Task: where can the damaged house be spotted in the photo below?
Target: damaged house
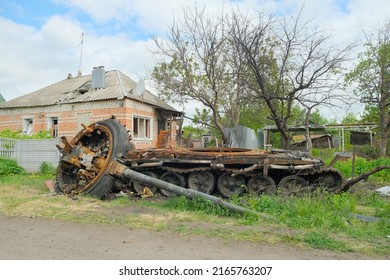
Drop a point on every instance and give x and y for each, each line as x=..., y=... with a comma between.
x=63, y=107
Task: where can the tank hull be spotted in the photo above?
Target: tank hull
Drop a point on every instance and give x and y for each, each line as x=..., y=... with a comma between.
x=84, y=167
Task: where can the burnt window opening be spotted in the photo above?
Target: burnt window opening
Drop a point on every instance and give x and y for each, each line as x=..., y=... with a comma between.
x=53, y=127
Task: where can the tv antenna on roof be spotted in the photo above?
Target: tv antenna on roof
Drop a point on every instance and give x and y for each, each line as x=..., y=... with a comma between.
x=81, y=54
x=140, y=89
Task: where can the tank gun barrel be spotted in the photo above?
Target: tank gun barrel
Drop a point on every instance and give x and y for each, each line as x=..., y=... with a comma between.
x=120, y=170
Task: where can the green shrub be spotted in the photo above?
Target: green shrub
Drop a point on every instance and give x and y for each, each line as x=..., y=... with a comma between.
x=368, y=151
x=8, y=133
x=10, y=167
x=17, y=134
x=363, y=165
x=47, y=169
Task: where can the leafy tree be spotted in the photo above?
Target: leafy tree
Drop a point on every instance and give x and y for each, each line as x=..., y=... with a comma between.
x=254, y=115
x=371, y=77
x=350, y=118
x=317, y=118
x=370, y=114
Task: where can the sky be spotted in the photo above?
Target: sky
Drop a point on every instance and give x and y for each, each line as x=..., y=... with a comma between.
x=40, y=41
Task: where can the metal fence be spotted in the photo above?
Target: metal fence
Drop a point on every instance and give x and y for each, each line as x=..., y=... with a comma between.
x=30, y=153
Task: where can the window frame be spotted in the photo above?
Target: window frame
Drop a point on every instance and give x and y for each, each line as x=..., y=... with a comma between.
x=143, y=123
x=50, y=125
x=26, y=124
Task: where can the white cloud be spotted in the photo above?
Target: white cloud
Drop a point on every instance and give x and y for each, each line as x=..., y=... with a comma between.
x=33, y=57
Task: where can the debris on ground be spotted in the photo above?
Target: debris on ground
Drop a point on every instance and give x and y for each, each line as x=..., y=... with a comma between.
x=385, y=191
x=49, y=184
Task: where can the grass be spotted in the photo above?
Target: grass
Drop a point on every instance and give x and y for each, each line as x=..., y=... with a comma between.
x=319, y=221
x=362, y=165
x=323, y=241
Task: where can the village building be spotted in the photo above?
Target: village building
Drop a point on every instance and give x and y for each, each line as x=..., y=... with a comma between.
x=62, y=108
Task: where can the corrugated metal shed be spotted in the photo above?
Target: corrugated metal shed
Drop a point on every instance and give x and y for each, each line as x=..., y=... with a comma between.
x=78, y=89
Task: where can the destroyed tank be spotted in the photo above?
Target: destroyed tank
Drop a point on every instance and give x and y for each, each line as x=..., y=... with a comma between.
x=89, y=164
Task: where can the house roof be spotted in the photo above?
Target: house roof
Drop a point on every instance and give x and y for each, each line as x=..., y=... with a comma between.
x=302, y=138
x=78, y=89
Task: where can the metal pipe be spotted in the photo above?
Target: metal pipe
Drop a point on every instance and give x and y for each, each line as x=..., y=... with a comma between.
x=294, y=167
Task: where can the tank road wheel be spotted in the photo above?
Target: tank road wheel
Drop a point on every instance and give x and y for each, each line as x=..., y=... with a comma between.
x=293, y=185
x=261, y=185
x=330, y=181
x=172, y=178
x=202, y=181
x=82, y=167
x=139, y=187
x=228, y=185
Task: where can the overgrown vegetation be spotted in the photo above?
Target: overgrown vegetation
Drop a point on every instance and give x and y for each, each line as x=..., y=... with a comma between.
x=18, y=134
x=9, y=167
x=47, y=170
x=319, y=220
x=362, y=165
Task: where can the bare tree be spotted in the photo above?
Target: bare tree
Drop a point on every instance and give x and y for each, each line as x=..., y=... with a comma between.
x=284, y=59
x=200, y=63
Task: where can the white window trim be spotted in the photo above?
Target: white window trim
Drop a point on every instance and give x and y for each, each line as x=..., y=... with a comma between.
x=25, y=129
x=150, y=138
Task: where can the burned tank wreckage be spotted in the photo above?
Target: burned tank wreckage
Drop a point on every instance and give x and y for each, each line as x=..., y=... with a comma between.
x=101, y=156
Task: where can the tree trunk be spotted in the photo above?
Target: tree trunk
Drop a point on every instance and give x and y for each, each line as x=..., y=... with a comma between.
x=307, y=127
x=285, y=137
x=383, y=122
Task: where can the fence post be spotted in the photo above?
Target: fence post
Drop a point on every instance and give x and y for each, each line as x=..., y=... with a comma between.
x=18, y=152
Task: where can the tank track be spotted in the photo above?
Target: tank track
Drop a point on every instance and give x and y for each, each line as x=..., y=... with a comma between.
x=328, y=178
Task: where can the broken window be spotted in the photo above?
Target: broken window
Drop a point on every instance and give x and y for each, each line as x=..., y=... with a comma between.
x=141, y=128
x=28, y=126
x=53, y=126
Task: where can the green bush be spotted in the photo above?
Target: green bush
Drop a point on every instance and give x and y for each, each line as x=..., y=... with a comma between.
x=363, y=165
x=17, y=134
x=8, y=133
x=10, y=167
x=47, y=169
x=368, y=151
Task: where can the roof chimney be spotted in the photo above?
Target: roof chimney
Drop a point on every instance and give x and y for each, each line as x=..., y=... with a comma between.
x=98, y=77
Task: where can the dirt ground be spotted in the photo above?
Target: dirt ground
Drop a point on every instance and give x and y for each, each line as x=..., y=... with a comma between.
x=43, y=239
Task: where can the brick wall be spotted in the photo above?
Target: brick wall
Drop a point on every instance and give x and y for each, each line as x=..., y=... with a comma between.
x=70, y=117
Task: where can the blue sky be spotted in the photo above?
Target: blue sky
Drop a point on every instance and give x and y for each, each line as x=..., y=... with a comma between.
x=40, y=40
x=36, y=13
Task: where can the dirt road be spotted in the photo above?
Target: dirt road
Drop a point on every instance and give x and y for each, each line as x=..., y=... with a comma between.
x=35, y=238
